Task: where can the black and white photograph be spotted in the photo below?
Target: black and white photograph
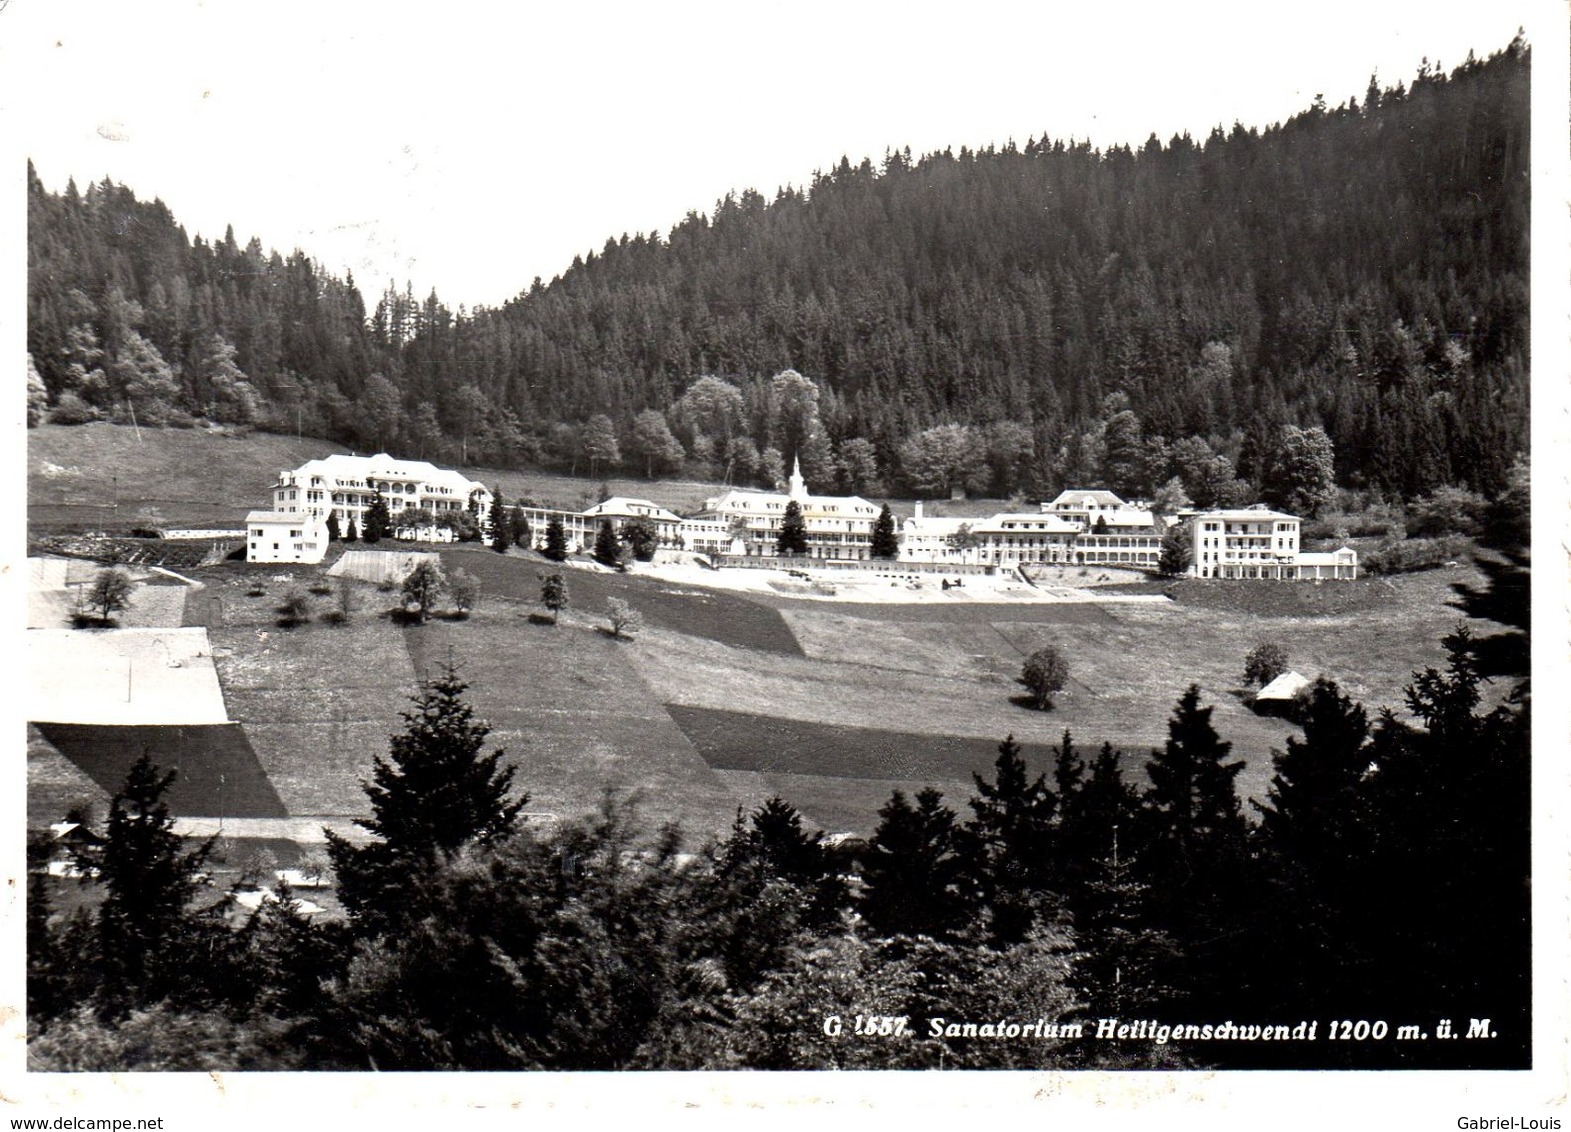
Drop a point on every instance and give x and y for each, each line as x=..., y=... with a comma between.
x=608, y=557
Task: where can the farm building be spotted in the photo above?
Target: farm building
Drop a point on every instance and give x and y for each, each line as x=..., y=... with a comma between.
x=1280, y=695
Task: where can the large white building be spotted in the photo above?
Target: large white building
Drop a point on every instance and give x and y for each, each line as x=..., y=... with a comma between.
x=1079, y=528
x=345, y=486
x=838, y=526
x=1260, y=543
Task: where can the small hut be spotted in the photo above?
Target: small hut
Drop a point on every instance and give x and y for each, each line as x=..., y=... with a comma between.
x=1281, y=696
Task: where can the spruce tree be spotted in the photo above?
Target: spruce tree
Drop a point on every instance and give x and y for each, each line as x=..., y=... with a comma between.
x=555, y=540
x=608, y=546
x=378, y=523
x=334, y=534
x=1192, y=803
x=150, y=878
x=1013, y=831
x=917, y=878
x=792, y=538
x=501, y=534
x=885, y=544
x=434, y=793
x=353, y=533
x=518, y=526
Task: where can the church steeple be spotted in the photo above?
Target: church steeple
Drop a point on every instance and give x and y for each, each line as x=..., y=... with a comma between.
x=798, y=489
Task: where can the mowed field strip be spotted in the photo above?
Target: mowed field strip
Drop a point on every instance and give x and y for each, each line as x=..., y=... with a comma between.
x=568, y=705
x=317, y=702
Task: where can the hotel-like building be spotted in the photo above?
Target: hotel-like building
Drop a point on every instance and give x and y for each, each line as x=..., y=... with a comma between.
x=345, y=486
x=838, y=526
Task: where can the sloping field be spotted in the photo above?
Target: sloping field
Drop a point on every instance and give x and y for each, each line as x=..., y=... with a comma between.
x=952, y=672
x=122, y=676
x=77, y=473
x=317, y=702
x=568, y=705
x=217, y=773
x=731, y=740
x=55, y=784
x=712, y=614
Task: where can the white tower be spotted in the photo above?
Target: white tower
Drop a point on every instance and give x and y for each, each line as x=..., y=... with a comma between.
x=798, y=490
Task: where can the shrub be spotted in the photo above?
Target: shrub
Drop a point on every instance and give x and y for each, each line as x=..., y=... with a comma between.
x=1265, y=662
x=71, y=409
x=295, y=609
x=1408, y=555
x=625, y=620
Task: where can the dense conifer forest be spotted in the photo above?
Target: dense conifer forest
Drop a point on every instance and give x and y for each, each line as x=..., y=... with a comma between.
x=1127, y=315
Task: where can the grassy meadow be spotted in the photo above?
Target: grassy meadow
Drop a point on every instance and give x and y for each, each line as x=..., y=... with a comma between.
x=723, y=698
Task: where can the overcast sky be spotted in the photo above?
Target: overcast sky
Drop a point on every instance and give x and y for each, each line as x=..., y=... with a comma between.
x=472, y=149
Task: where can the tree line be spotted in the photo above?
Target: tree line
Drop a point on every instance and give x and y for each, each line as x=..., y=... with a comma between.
x=1386, y=879
x=1008, y=319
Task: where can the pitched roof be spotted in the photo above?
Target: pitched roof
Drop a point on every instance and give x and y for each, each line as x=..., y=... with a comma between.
x=298, y=517
x=1284, y=687
x=1096, y=496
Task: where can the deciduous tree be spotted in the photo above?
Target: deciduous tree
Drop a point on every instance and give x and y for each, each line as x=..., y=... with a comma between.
x=422, y=586
x=1045, y=672
x=553, y=594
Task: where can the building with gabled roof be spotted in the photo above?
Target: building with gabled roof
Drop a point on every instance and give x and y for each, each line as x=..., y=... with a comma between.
x=285, y=536
x=838, y=526
x=346, y=484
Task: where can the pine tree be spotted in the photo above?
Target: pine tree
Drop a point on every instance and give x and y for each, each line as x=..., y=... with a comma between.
x=434, y=793
x=917, y=877
x=353, y=533
x=793, y=531
x=885, y=544
x=501, y=535
x=555, y=540
x=334, y=534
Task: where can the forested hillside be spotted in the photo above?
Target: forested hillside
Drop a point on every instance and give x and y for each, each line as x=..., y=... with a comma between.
x=1009, y=318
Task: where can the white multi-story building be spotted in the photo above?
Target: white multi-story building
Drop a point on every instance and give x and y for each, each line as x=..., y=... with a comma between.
x=838, y=526
x=1260, y=543
x=345, y=486
x=285, y=536
x=1093, y=528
